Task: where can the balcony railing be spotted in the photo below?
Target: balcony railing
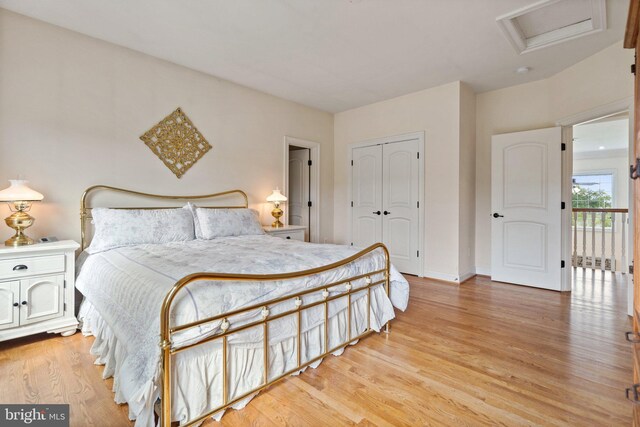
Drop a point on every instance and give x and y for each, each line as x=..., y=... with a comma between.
x=599, y=239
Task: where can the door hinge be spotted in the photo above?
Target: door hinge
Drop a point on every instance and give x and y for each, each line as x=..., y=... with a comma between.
x=562, y=264
x=309, y=203
x=64, y=308
x=418, y=254
x=563, y=147
x=64, y=284
x=633, y=170
x=418, y=204
x=562, y=205
x=418, y=154
x=309, y=162
x=351, y=162
x=351, y=204
x=633, y=69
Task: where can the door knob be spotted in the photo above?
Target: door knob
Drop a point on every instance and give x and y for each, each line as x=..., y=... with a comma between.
x=15, y=304
x=497, y=215
x=386, y=213
x=24, y=303
x=377, y=212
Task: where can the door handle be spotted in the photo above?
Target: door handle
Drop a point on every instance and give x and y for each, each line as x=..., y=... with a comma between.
x=377, y=212
x=386, y=213
x=632, y=394
x=497, y=215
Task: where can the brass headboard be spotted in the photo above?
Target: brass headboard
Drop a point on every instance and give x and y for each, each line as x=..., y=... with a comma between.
x=85, y=208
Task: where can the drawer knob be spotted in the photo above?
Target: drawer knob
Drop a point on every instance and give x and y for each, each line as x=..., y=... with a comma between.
x=24, y=303
x=20, y=267
x=288, y=237
x=15, y=304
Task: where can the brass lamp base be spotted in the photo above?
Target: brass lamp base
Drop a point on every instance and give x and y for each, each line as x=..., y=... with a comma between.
x=19, y=221
x=277, y=213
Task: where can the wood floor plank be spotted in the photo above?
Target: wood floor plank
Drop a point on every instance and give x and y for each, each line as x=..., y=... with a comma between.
x=480, y=353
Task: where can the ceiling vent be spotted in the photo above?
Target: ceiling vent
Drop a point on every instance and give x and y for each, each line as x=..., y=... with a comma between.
x=549, y=22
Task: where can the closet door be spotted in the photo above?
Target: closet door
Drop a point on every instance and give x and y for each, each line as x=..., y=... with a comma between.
x=366, y=179
x=400, y=195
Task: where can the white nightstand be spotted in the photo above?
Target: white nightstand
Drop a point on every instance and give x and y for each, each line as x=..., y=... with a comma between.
x=37, y=292
x=293, y=232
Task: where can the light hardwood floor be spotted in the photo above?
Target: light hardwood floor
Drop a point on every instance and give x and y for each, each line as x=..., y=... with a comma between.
x=482, y=353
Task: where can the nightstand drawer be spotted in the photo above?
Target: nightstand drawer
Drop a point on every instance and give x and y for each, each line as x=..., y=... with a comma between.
x=27, y=266
x=290, y=235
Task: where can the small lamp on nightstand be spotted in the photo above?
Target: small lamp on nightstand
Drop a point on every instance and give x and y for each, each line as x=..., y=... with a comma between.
x=19, y=197
x=276, y=198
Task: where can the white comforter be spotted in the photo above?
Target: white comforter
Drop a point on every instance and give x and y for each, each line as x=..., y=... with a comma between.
x=126, y=287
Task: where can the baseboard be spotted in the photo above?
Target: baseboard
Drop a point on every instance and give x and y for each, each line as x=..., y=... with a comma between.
x=467, y=276
x=441, y=276
x=483, y=271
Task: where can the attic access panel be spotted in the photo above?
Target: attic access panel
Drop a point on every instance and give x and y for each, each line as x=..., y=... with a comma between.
x=550, y=22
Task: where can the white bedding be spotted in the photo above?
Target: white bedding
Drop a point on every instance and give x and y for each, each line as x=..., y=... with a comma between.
x=124, y=289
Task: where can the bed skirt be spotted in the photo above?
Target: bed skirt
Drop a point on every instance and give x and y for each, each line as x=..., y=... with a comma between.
x=197, y=372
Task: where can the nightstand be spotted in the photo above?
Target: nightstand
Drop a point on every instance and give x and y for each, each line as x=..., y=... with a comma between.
x=292, y=232
x=37, y=292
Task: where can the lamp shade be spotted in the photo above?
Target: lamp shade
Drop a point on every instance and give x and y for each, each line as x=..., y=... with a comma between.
x=276, y=197
x=18, y=191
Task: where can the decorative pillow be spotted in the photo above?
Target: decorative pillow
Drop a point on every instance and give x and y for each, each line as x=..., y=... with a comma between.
x=125, y=227
x=214, y=223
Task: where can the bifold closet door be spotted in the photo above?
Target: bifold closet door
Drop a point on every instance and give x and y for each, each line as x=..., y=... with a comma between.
x=400, y=195
x=366, y=179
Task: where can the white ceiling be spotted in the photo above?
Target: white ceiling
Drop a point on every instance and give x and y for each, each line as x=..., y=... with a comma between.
x=330, y=54
x=611, y=134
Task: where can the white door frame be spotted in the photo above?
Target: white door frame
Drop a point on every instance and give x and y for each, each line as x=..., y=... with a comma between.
x=567, y=124
x=388, y=140
x=314, y=191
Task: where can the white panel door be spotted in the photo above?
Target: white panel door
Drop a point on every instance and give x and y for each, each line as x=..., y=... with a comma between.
x=526, y=212
x=299, y=188
x=400, y=195
x=9, y=311
x=44, y=297
x=366, y=193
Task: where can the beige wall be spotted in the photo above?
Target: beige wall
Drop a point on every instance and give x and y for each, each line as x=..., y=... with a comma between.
x=466, y=251
x=72, y=109
x=598, y=80
x=435, y=111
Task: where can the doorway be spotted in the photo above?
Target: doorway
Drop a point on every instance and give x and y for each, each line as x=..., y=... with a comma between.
x=548, y=182
x=600, y=194
x=302, y=185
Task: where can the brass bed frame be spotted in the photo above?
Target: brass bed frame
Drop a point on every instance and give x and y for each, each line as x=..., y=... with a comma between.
x=167, y=331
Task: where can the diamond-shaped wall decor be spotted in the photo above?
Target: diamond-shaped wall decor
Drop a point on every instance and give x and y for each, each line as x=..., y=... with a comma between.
x=177, y=142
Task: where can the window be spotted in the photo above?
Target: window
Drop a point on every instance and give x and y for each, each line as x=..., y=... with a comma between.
x=593, y=190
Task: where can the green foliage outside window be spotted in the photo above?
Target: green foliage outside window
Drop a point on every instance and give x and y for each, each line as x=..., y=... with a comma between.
x=584, y=198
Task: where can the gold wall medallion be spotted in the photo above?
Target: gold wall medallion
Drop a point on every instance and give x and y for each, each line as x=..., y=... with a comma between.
x=177, y=142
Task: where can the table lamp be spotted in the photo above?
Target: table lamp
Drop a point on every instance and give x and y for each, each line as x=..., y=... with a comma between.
x=276, y=198
x=19, y=197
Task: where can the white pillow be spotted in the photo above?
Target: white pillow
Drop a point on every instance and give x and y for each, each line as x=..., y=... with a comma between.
x=115, y=228
x=214, y=223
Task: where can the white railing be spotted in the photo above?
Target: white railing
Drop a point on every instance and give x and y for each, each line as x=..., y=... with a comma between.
x=599, y=239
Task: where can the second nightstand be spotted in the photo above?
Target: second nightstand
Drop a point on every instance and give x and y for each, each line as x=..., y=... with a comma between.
x=292, y=232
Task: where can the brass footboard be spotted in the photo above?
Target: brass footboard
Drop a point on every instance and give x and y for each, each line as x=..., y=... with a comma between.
x=167, y=331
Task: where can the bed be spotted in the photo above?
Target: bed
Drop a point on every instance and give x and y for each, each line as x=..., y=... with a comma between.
x=196, y=322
